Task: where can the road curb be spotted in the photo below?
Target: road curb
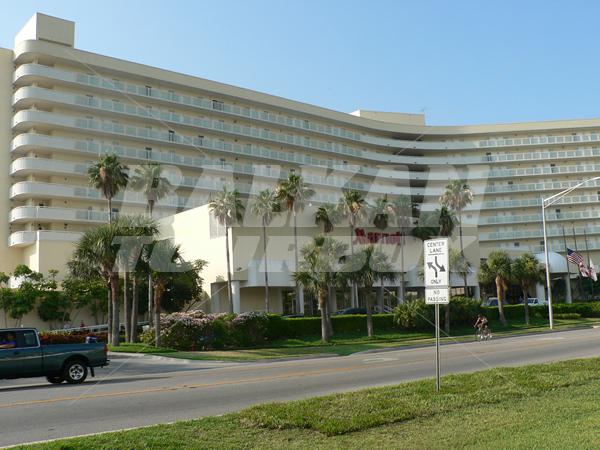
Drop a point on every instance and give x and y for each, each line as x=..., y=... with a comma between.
x=458, y=340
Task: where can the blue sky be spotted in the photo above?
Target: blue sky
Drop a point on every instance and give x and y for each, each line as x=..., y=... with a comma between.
x=458, y=61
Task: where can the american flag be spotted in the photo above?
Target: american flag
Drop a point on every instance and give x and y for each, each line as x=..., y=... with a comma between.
x=574, y=257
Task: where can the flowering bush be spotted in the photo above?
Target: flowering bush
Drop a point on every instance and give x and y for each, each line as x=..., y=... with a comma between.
x=196, y=330
x=71, y=337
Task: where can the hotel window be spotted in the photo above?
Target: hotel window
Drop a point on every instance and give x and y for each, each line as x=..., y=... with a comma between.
x=218, y=105
x=553, y=168
x=200, y=140
x=148, y=91
x=171, y=136
x=516, y=244
x=148, y=152
x=90, y=100
x=306, y=124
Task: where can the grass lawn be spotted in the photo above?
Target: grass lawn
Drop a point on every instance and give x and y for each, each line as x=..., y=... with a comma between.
x=542, y=406
x=346, y=344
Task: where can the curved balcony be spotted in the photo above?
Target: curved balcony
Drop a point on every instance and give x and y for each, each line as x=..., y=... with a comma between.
x=542, y=187
x=536, y=234
x=28, y=72
x=25, y=238
x=26, y=166
x=22, y=214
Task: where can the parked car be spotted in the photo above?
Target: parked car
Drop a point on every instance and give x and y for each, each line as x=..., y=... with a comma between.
x=533, y=301
x=350, y=311
x=493, y=301
x=22, y=355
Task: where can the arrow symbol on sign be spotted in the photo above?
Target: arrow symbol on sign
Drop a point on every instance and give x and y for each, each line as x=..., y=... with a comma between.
x=431, y=266
x=440, y=268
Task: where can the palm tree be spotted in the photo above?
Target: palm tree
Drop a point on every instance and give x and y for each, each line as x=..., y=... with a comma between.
x=99, y=251
x=319, y=270
x=328, y=216
x=458, y=196
x=108, y=175
x=497, y=268
x=526, y=270
x=266, y=207
x=227, y=207
x=164, y=259
x=294, y=193
x=353, y=206
x=149, y=180
x=404, y=219
x=365, y=268
x=382, y=212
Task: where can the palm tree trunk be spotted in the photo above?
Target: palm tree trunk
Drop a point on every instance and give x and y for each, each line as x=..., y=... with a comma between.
x=401, y=296
x=322, y=295
x=266, y=268
x=368, y=295
x=462, y=251
x=109, y=209
x=157, y=308
x=353, y=293
x=526, y=305
x=297, y=306
x=134, y=308
x=127, y=306
x=116, y=319
x=328, y=313
x=229, y=294
x=109, y=314
x=380, y=299
x=447, y=319
x=500, y=295
x=150, y=299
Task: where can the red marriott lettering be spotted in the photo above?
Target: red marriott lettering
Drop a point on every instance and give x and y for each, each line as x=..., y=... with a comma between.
x=373, y=237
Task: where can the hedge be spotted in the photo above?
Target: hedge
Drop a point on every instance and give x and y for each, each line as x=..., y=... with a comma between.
x=297, y=327
x=69, y=337
x=588, y=309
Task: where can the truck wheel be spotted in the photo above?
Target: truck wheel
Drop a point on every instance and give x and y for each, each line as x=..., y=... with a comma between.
x=75, y=371
x=55, y=379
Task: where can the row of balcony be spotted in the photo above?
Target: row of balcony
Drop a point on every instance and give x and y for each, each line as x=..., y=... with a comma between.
x=542, y=187
x=34, y=71
x=537, y=233
x=533, y=218
x=25, y=238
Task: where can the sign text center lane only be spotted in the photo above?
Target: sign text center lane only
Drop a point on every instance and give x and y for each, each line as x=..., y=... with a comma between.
x=436, y=262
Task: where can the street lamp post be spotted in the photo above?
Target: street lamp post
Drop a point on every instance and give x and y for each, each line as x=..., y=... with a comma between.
x=546, y=202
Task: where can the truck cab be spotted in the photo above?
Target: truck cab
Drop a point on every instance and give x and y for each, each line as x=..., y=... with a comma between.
x=22, y=355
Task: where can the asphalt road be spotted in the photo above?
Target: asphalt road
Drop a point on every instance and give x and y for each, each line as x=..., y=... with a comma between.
x=137, y=391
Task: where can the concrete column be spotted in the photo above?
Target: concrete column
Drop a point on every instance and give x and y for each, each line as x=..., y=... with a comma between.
x=235, y=295
x=567, y=279
x=540, y=291
x=300, y=301
x=380, y=298
x=476, y=292
x=215, y=305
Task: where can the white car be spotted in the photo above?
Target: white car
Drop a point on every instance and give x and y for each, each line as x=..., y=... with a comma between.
x=533, y=301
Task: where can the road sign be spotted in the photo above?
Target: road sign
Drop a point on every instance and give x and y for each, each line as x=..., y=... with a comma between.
x=437, y=295
x=437, y=268
x=436, y=262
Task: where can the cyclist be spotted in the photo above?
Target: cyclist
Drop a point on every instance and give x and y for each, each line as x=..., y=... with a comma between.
x=483, y=331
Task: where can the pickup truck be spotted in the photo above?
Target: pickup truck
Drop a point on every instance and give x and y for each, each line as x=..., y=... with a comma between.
x=22, y=355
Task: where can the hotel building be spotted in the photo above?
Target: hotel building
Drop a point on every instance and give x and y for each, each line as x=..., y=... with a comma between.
x=62, y=107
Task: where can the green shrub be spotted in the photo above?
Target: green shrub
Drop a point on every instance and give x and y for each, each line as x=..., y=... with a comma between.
x=414, y=315
x=249, y=328
x=567, y=316
x=463, y=310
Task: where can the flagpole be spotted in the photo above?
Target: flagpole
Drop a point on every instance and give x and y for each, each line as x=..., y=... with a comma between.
x=577, y=250
x=568, y=266
x=587, y=251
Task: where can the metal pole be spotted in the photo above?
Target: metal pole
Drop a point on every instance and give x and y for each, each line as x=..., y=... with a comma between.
x=568, y=267
x=587, y=250
x=550, y=315
x=579, y=278
x=437, y=347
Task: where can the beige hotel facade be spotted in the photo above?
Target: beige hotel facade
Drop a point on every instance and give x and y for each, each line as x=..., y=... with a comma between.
x=62, y=107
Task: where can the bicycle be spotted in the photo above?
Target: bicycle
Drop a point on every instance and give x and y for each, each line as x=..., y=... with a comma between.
x=483, y=333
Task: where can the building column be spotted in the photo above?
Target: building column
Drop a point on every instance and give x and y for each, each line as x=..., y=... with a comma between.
x=300, y=301
x=569, y=298
x=277, y=306
x=215, y=298
x=380, y=299
x=476, y=292
x=540, y=291
x=235, y=296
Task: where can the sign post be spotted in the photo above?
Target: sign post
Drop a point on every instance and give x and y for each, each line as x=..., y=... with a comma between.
x=437, y=291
